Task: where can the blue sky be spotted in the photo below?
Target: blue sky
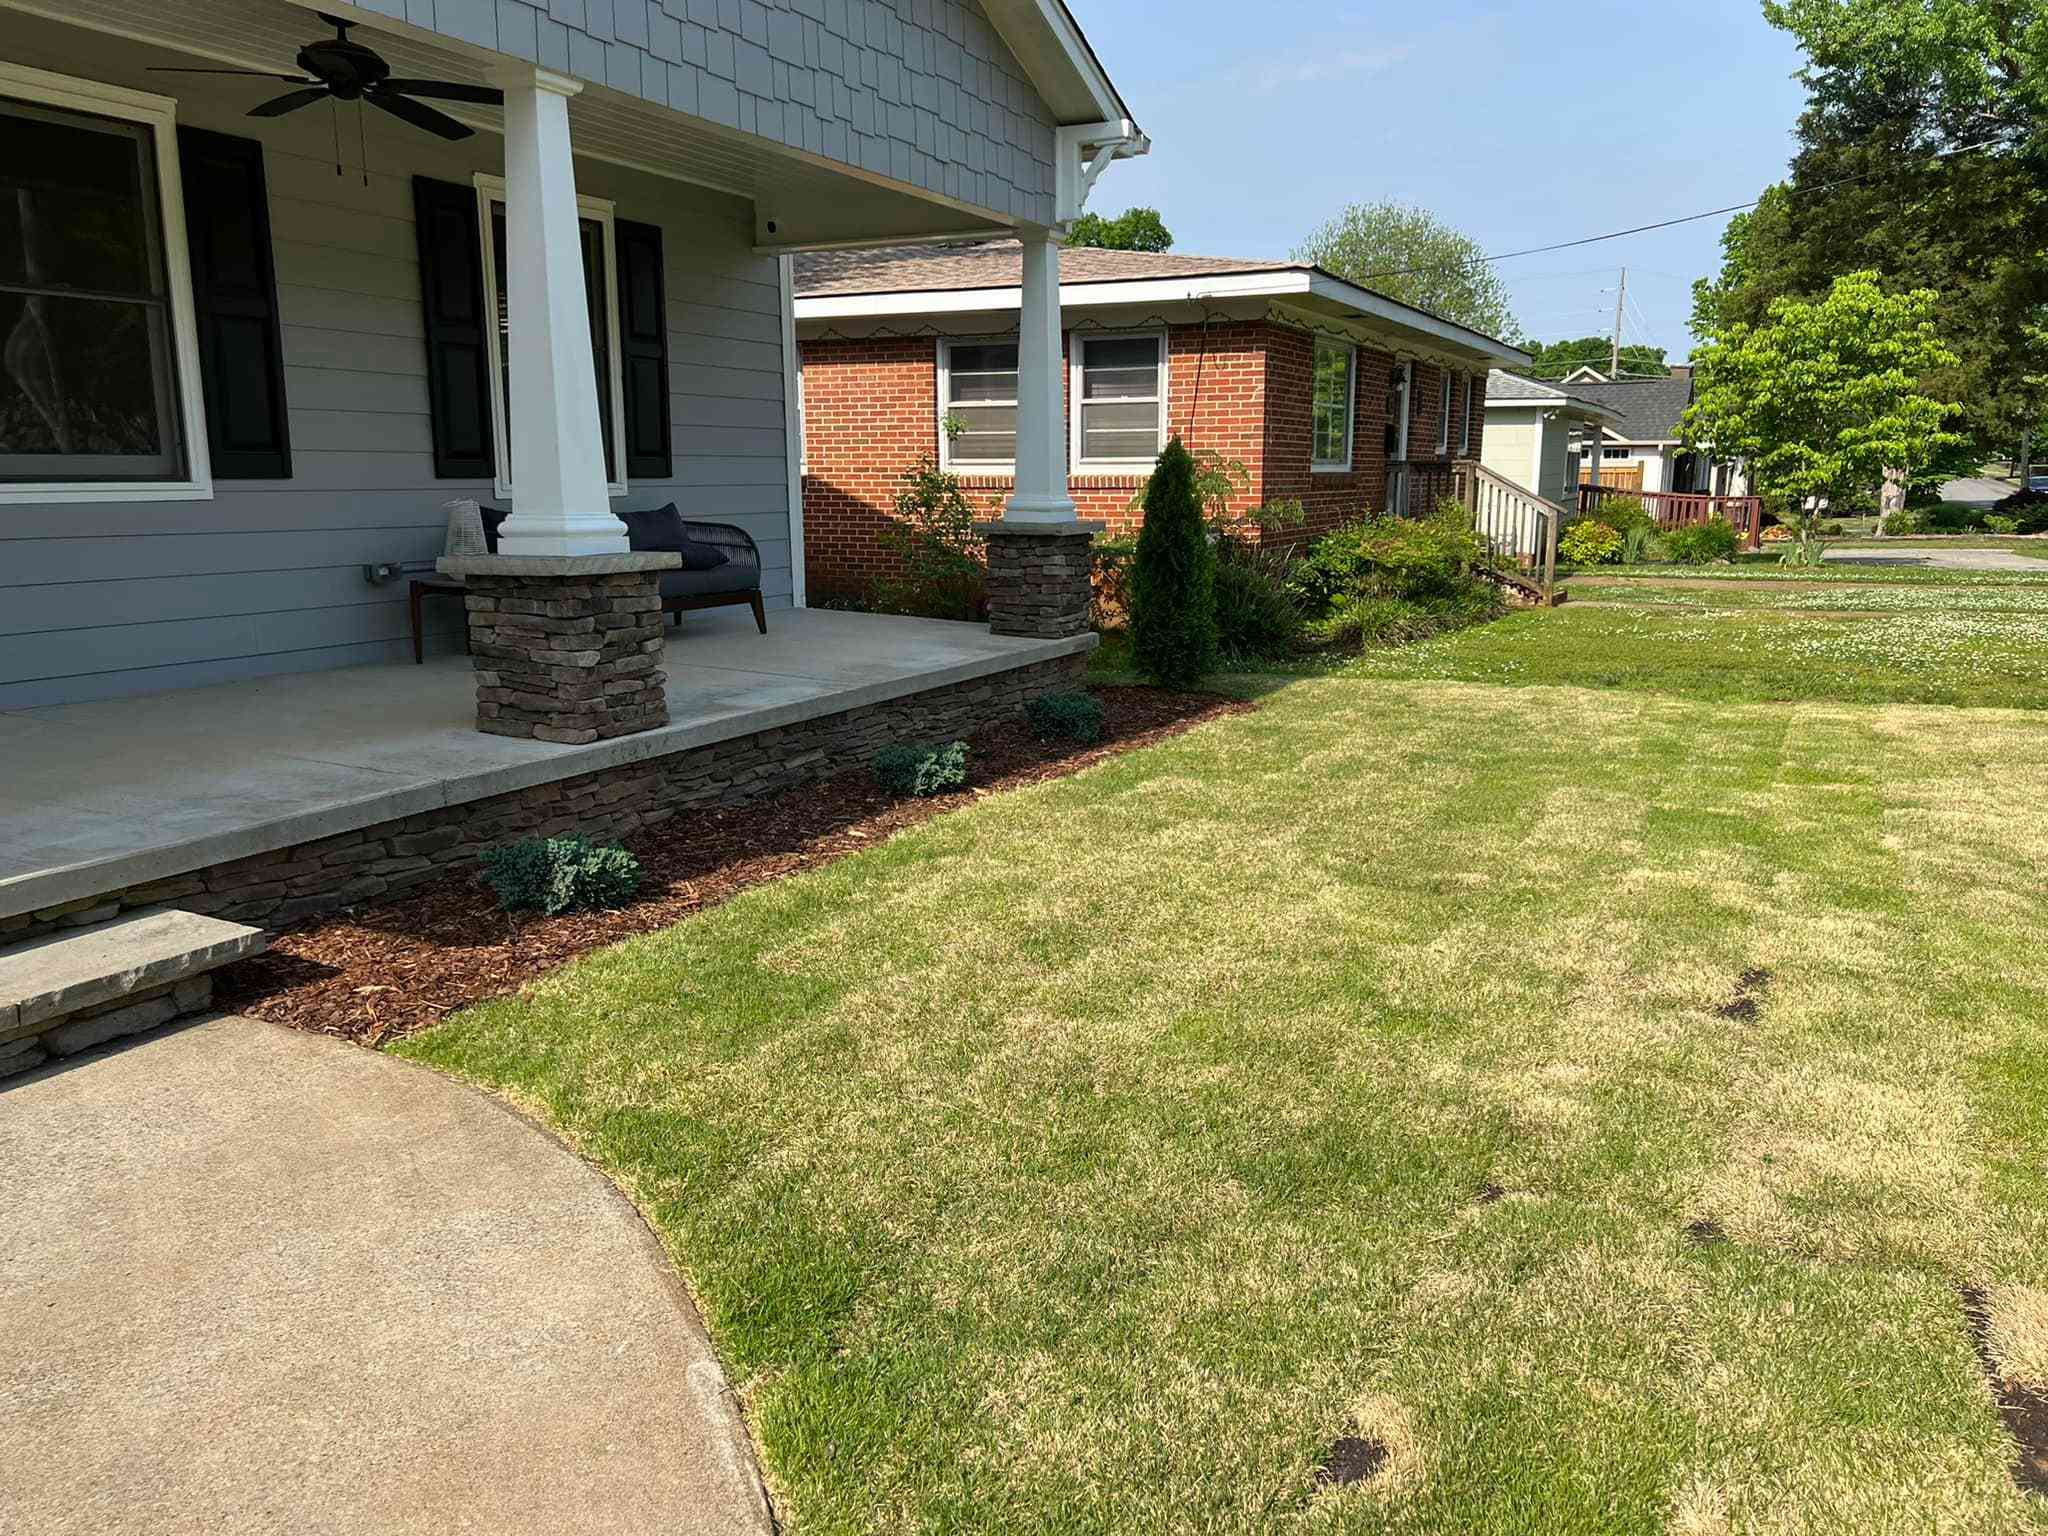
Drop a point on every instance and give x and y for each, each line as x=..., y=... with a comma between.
x=1521, y=123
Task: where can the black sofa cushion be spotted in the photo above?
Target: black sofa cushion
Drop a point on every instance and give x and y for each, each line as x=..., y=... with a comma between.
x=494, y=519
x=662, y=529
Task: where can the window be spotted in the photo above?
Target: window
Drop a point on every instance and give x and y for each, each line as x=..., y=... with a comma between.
x=1465, y=421
x=99, y=396
x=599, y=260
x=1119, y=394
x=1443, y=413
x=1331, y=394
x=1614, y=453
x=978, y=406
x=1398, y=384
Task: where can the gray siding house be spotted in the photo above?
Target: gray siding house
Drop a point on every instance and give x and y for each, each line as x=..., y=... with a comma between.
x=247, y=360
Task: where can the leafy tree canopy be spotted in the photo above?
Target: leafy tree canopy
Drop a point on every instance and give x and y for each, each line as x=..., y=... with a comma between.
x=1555, y=359
x=1409, y=254
x=1135, y=229
x=1823, y=398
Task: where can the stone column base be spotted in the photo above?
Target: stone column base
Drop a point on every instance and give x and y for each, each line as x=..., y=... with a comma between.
x=1041, y=578
x=567, y=648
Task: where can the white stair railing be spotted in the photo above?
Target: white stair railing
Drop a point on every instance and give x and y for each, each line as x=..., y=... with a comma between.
x=1518, y=526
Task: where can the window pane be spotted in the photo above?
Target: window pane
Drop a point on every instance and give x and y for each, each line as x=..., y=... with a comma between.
x=1124, y=352
x=85, y=390
x=1332, y=405
x=77, y=203
x=981, y=371
x=1120, y=383
x=988, y=435
x=1117, y=431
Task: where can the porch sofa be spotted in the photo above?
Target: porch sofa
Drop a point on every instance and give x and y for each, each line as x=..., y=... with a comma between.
x=721, y=562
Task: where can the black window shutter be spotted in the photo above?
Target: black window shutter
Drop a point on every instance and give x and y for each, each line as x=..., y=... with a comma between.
x=458, y=362
x=234, y=292
x=643, y=339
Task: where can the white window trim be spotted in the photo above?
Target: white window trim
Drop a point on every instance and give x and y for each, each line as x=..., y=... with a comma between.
x=160, y=115
x=1404, y=374
x=491, y=189
x=1443, y=414
x=1077, y=348
x=1335, y=466
x=945, y=378
x=1465, y=422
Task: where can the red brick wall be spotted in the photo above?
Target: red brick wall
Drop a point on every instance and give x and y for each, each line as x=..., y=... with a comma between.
x=1236, y=388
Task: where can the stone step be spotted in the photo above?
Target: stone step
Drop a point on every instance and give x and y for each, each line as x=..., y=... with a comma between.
x=74, y=989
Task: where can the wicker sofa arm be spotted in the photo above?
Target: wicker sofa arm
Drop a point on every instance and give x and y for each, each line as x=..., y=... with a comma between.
x=739, y=546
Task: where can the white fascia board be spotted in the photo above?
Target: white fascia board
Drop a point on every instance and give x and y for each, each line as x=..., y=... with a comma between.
x=1370, y=304
x=954, y=301
x=1062, y=25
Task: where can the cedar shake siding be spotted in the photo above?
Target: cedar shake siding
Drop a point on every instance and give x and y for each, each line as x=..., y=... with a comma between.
x=1237, y=388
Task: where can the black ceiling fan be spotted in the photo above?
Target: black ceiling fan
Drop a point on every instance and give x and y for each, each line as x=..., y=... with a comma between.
x=338, y=69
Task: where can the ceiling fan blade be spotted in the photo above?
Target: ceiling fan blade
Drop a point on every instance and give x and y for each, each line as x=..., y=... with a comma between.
x=419, y=116
x=446, y=90
x=290, y=101
x=253, y=74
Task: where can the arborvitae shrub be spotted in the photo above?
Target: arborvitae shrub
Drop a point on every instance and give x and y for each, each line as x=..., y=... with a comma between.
x=1066, y=717
x=1173, y=578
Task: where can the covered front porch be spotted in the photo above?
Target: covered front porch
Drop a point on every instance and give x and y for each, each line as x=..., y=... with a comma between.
x=149, y=795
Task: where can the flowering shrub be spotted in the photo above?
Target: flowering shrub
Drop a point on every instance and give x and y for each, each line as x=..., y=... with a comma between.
x=1588, y=542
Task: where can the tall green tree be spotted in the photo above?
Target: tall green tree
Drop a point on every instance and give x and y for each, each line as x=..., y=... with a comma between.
x=1410, y=254
x=1825, y=398
x=1555, y=359
x=1135, y=229
x=1924, y=157
x=1173, y=578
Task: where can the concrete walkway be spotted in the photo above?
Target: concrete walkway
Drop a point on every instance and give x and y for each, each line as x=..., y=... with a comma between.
x=256, y=1281
x=1935, y=559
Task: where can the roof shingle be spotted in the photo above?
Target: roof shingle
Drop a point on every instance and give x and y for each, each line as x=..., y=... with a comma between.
x=998, y=264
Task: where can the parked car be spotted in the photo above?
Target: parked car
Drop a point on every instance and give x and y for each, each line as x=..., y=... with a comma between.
x=2038, y=483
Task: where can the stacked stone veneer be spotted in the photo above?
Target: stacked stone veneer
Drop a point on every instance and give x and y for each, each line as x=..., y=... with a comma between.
x=89, y=1027
x=570, y=659
x=1041, y=578
x=310, y=878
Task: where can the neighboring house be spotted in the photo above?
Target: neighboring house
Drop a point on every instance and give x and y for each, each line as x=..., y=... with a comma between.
x=1642, y=448
x=248, y=357
x=1327, y=393
x=1530, y=430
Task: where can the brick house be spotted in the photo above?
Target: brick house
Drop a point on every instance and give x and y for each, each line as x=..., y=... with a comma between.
x=1329, y=394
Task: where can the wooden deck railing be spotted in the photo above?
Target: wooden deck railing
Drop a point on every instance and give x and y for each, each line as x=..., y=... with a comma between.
x=1679, y=509
x=1519, y=527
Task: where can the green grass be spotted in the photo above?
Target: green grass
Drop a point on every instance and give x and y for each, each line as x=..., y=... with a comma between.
x=1087, y=1161
x=1766, y=568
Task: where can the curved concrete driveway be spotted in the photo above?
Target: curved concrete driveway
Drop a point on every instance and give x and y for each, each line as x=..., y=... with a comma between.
x=252, y=1280
x=1938, y=559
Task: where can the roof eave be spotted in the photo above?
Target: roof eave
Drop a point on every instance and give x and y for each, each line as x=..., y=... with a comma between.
x=1060, y=62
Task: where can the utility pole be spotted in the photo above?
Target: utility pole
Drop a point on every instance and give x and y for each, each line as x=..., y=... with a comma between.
x=1620, y=301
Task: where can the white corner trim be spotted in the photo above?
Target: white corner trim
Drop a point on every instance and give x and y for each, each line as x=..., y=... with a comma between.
x=792, y=427
x=1077, y=345
x=491, y=188
x=160, y=115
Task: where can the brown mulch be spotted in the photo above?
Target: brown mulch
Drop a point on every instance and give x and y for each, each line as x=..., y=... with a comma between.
x=388, y=969
x=2023, y=1406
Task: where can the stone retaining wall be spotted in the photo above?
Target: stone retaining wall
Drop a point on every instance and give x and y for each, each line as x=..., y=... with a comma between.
x=281, y=887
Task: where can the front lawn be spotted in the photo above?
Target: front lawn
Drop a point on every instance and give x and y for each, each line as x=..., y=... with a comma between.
x=1587, y=1099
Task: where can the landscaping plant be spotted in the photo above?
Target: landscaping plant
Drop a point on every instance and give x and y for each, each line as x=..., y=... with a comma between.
x=941, y=567
x=1257, y=617
x=1589, y=542
x=1705, y=543
x=1173, y=578
x=910, y=769
x=1073, y=716
x=560, y=874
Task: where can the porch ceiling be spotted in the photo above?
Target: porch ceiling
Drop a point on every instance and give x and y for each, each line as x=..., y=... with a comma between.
x=808, y=200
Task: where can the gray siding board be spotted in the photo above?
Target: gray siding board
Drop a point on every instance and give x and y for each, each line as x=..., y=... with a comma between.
x=265, y=577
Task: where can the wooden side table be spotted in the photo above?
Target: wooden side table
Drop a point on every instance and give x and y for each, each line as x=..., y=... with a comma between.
x=432, y=586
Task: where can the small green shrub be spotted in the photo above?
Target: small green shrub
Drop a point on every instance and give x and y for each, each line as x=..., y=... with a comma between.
x=1996, y=524
x=1588, y=542
x=941, y=571
x=1066, y=717
x=2030, y=507
x=1173, y=578
x=1903, y=523
x=907, y=769
x=1639, y=544
x=1705, y=543
x=1257, y=617
x=1622, y=513
x=560, y=874
x=1832, y=530
x=1951, y=517
x=1411, y=558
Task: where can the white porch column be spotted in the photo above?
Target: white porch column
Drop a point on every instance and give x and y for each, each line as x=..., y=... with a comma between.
x=560, y=505
x=1041, y=485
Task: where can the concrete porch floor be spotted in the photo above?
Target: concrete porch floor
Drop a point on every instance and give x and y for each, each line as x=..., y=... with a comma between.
x=102, y=795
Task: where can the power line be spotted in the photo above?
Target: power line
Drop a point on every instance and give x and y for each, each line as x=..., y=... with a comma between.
x=1644, y=229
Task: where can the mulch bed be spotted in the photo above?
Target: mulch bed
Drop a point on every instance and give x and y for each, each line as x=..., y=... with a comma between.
x=2022, y=1406
x=388, y=969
